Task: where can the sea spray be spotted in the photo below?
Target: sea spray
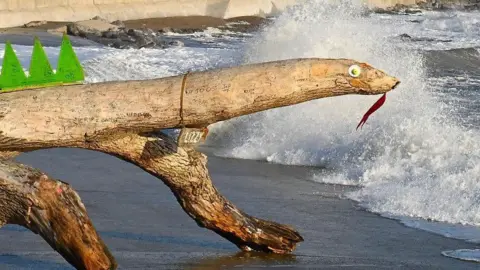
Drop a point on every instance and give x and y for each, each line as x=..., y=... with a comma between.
x=411, y=158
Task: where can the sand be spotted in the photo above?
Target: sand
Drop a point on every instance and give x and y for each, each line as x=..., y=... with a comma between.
x=143, y=225
x=194, y=22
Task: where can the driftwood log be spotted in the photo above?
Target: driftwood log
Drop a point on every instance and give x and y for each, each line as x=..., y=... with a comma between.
x=123, y=119
x=52, y=209
x=71, y=115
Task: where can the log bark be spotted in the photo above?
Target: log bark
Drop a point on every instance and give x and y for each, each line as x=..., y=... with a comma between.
x=185, y=172
x=120, y=118
x=54, y=210
x=71, y=115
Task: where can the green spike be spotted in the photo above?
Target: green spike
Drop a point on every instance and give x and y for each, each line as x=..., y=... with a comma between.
x=12, y=72
x=40, y=70
x=69, y=69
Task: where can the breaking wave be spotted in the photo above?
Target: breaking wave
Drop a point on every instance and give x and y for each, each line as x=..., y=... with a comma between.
x=411, y=159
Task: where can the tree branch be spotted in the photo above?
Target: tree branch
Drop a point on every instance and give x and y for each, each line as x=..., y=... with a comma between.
x=52, y=209
x=185, y=172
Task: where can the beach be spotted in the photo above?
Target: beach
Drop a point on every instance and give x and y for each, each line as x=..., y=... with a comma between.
x=140, y=33
x=145, y=228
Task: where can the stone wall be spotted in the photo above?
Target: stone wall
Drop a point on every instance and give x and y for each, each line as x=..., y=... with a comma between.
x=18, y=12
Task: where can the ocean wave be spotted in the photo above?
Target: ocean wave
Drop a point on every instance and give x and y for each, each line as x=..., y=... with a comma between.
x=413, y=159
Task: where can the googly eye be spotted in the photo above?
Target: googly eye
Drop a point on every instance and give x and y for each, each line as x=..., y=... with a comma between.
x=354, y=71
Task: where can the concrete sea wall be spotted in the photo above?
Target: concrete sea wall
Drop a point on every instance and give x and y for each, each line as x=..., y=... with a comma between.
x=19, y=12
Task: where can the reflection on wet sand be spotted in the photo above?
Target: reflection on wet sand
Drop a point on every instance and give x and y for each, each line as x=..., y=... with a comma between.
x=242, y=259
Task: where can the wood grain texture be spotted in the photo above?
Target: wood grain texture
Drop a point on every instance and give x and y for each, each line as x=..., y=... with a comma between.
x=184, y=171
x=52, y=209
x=76, y=113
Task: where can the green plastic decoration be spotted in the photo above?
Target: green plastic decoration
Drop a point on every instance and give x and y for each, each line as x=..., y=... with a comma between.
x=69, y=69
x=40, y=70
x=13, y=78
x=12, y=72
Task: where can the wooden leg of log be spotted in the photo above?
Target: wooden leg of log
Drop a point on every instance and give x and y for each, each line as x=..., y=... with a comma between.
x=54, y=210
x=185, y=172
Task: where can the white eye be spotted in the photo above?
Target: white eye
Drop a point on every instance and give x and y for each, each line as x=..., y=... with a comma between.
x=354, y=71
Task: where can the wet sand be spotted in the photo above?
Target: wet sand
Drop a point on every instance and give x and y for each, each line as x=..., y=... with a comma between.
x=25, y=37
x=145, y=228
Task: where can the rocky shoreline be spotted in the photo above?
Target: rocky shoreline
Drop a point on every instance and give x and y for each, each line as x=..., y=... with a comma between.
x=160, y=32
x=144, y=33
x=116, y=34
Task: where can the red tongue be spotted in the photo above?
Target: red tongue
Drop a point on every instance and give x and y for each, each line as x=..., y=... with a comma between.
x=375, y=107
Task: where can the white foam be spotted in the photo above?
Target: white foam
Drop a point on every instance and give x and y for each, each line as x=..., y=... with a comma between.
x=412, y=159
x=154, y=63
x=464, y=232
x=219, y=37
x=107, y=64
x=472, y=255
x=460, y=29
